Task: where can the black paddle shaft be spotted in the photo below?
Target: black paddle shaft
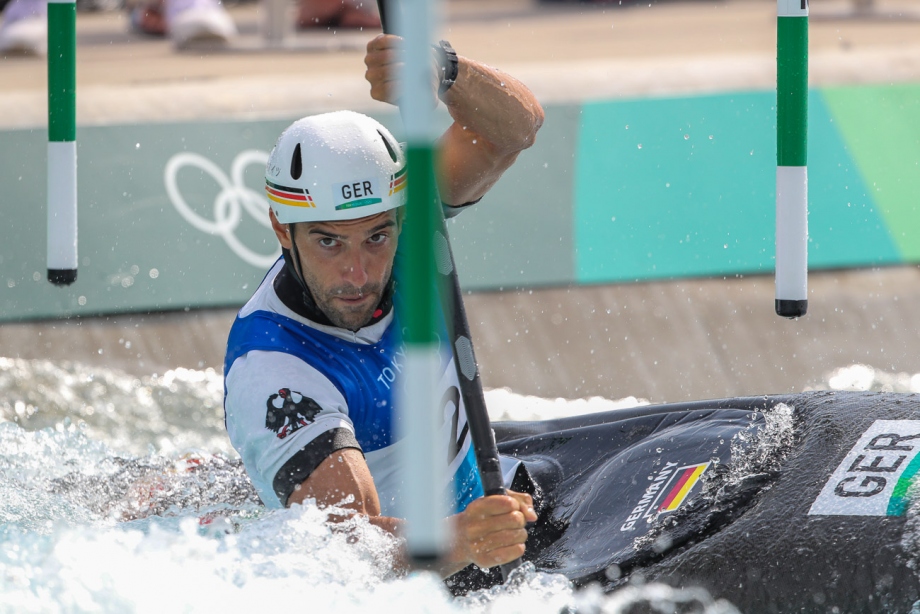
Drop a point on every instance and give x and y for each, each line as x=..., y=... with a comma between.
x=467, y=369
x=464, y=359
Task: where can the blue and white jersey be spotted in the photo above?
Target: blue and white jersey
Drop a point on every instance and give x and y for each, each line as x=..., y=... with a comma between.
x=295, y=391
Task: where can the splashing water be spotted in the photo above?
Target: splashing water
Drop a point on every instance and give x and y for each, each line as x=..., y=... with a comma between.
x=763, y=451
x=863, y=378
x=178, y=410
x=504, y=404
x=123, y=494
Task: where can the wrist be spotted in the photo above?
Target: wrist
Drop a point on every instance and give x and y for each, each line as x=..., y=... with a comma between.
x=448, y=66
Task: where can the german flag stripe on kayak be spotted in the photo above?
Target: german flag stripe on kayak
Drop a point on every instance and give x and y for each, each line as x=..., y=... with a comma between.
x=686, y=480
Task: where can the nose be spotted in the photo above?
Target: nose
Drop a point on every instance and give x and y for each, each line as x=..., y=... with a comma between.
x=355, y=271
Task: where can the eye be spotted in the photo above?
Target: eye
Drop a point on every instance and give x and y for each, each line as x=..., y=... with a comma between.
x=328, y=242
x=378, y=238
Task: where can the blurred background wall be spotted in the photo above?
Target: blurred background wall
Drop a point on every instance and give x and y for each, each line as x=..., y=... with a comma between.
x=629, y=252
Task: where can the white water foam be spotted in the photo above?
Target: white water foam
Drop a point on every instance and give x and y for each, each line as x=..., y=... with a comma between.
x=864, y=378
x=83, y=450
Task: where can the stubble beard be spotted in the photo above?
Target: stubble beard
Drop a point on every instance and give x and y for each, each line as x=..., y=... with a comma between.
x=345, y=316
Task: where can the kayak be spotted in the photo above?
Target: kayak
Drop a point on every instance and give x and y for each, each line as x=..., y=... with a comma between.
x=776, y=503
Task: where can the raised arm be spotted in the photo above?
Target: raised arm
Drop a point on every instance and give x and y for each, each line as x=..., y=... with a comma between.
x=495, y=118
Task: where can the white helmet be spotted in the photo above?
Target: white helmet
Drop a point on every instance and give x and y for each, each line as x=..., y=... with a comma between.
x=335, y=166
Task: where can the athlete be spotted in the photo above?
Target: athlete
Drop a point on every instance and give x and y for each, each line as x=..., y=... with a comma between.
x=312, y=356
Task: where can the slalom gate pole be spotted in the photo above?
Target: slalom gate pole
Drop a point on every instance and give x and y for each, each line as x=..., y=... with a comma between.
x=420, y=417
x=438, y=252
x=62, y=142
x=792, y=158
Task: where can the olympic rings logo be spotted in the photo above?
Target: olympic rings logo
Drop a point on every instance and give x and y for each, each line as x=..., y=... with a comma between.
x=234, y=198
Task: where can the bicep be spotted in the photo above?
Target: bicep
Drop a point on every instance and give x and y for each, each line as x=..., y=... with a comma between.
x=342, y=479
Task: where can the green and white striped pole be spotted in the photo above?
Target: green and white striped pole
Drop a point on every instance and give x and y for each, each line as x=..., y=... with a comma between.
x=792, y=158
x=420, y=409
x=62, y=142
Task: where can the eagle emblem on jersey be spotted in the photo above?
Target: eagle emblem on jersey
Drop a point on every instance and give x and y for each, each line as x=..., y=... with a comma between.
x=288, y=411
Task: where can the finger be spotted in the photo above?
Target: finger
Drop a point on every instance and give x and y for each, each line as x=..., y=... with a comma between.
x=526, y=502
x=383, y=42
x=523, y=497
x=493, y=505
x=384, y=91
x=499, y=556
x=376, y=43
x=497, y=541
x=505, y=537
x=382, y=58
x=384, y=80
x=486, y=529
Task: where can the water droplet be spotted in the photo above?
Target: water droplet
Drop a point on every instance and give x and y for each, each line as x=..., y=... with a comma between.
x=81, y=300
x=710, y=137
x=640, y=145
x=137, y=146
x=686, y=137
x=154, y=273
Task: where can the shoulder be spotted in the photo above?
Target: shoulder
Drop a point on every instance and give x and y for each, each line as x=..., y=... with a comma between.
x=259, y=371
x=264, y=298
x=260, y=382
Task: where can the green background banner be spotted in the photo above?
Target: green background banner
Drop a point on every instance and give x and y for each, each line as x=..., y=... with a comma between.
x=172, y=216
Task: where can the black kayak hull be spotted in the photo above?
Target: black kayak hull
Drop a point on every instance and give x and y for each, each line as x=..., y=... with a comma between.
x=713, y=494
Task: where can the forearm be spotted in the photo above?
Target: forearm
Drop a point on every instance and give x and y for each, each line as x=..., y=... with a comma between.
x=494, y=106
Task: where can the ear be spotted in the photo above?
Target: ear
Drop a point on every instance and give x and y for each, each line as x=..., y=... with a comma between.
x=281, y=230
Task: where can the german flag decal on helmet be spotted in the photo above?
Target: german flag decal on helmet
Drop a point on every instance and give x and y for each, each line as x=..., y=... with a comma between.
x=398, y=181
x=294, y=197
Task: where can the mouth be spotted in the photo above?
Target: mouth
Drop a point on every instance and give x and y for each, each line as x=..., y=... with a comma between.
x=353, y=300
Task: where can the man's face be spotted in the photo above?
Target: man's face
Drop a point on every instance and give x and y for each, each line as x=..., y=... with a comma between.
x=346, y=265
